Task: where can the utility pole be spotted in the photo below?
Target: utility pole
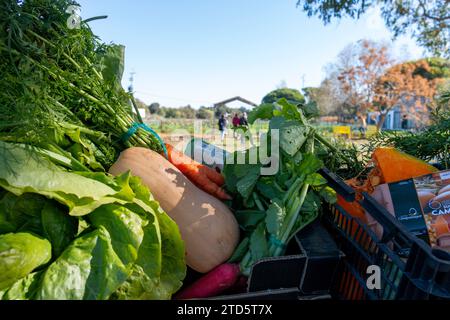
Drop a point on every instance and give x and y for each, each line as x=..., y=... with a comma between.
x=130, y=88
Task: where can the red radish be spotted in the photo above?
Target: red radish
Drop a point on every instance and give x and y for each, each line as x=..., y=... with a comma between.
x=213, y=283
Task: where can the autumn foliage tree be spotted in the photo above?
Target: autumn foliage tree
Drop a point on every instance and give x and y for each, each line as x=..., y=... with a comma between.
x=410, y=86
x=359, y=79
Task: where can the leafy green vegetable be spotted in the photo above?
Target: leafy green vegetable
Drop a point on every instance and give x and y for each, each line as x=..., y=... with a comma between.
x=269, y=188
x=80, y=194
x=58, y=227
x=248, y=219
x=240, y=251
x=123, y=246
x=23, y=289
x=271, y=209
x=124, y=228
x=67, y=97
x=88, y=269
x=20, y=254
x=258, y=243
x=328, y=194
x=264, y=111
x=315, y=179
x=292, y=136
x=275, y=216
x=173, y=269
x=247, y=183
x=112, y=59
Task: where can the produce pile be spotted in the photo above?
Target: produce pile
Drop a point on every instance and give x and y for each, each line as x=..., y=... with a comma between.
x=69, y=230
x=93, y=205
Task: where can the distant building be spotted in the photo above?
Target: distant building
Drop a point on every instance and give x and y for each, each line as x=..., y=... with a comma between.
x=392, y=121
x=222, y=103
x=394, y=117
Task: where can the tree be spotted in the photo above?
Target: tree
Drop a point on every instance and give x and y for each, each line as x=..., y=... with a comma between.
x=222, y=109
x=172, y=113
x=292, y=95
x=427, y=21
x=411, y=86
x=359, y=76
x=154, y=107
x=186, y=112
x=205, y=113
x=325, y=97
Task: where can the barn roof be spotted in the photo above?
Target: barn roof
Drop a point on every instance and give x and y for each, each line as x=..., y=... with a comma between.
x=237, y=98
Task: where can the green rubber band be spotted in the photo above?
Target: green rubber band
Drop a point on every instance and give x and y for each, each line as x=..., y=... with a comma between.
x=132, y=130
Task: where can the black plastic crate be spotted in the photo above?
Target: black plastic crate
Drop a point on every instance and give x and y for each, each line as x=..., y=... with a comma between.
x=310, y=264
x=410, y=269
x=307, y=271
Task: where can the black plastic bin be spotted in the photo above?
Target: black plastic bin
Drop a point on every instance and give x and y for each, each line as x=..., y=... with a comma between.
x=409, y=268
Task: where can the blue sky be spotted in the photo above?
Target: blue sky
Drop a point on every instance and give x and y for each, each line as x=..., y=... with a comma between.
x=203, y=51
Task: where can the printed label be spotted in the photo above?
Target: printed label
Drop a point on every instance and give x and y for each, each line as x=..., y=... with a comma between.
x=445, y=175
x=433, y=192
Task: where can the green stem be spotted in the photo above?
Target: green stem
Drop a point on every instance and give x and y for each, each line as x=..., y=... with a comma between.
x=291, y=189
x=74, y=163
x=54, y=46
x=258, y=202
x=133, y=102
x=292, y=219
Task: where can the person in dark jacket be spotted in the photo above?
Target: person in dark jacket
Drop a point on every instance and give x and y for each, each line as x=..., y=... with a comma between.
x=223, y=123
x=243, y=122
x=405, y=122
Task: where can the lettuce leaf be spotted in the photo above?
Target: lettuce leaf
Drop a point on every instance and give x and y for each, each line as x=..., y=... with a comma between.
x=20, y=254
x=88, y=269
x=25, y=172
x=160, y=267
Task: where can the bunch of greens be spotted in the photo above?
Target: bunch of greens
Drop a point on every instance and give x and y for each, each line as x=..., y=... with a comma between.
x=82, y=235
x=61, y=86
x=271, y=209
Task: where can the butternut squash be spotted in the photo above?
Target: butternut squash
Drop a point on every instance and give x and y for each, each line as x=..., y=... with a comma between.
x=395, y=165
x=208, y=228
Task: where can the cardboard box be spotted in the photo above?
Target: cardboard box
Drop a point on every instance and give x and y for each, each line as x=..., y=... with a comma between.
x=421, y=204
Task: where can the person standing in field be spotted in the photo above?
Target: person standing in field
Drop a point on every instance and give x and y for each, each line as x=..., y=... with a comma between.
x=405, y=122
x=223, y=123
x=362, y=124
x=236, y=123
x=243, y=122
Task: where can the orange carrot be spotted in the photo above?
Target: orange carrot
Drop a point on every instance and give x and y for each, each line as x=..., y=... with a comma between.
x=202, y=176
x=213, y=175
